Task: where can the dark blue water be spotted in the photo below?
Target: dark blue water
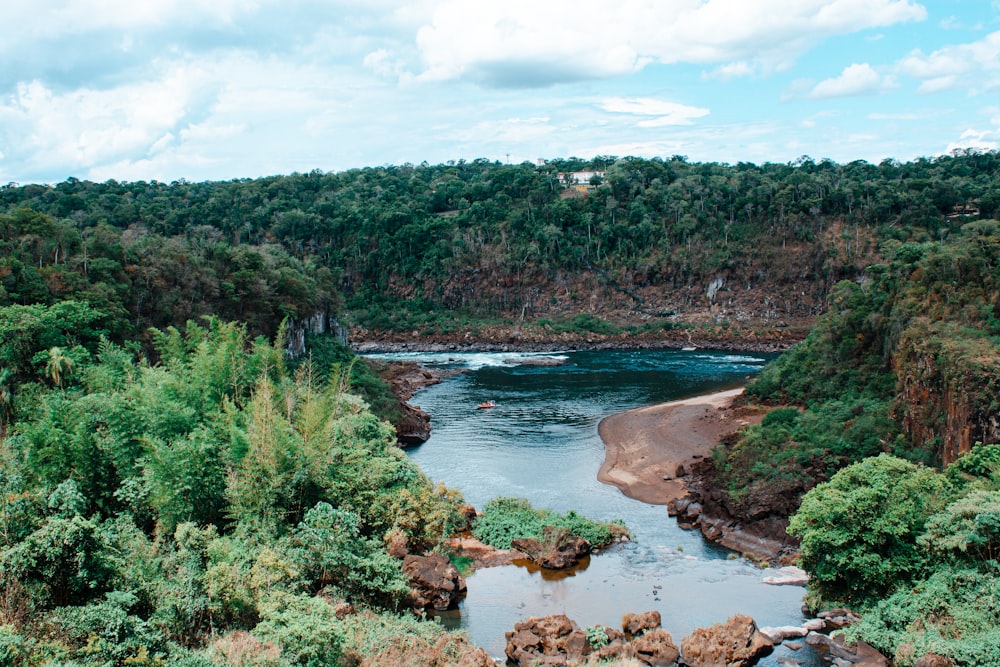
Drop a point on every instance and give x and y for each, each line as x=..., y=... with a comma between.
x=541, y=443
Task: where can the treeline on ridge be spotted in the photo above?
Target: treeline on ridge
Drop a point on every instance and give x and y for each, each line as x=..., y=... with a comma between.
x=400, y=245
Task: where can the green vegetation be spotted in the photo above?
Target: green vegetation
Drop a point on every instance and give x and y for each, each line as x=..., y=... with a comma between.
x=904, y=362
x=597, y=636
x=451, y=247
x=859, y=530
x=189, y=510
x=900, y=374
x=173, y=490
x=505, y=519
x=914, y=550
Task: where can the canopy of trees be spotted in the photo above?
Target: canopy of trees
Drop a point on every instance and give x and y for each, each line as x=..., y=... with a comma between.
x=480, y=237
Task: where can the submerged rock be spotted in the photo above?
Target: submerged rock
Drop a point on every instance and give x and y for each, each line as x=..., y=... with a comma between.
x=859, y=655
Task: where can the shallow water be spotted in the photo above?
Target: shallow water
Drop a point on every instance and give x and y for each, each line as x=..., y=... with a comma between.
x=541, y=443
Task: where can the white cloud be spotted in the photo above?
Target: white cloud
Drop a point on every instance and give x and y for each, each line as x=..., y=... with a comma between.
x=662, y=111
x=508, y=131
x=856, y=79
x=975, y=65
x=522, y=43
x=383, y=63
x=731, y=71
x=983, y=139
x=212, y=130
x=26, y=21
x=84, y=127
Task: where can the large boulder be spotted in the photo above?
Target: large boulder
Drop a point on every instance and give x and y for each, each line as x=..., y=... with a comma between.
x=546, y=640
x=656, y=648
x=636, y=624
x=789, y=575
x=434, y=582
x=557, y=640
x=556, y=550
x=414, y=426
x=735, y=643
x=860, y=654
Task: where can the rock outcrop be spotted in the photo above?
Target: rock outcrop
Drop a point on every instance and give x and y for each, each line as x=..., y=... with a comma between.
x=858, y=655
x=556, y=550
x=754, y=526
x=735, y=643
x=547, y=640
x=414, y=428
x=789, y=575
x=435, y=582
x=557, y=640
x=414, y=425
x=636, y=624
x=655, y=647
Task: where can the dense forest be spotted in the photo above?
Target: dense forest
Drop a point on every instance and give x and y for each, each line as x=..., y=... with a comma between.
x=177, y=488
x=440, y=248
x=887, y=406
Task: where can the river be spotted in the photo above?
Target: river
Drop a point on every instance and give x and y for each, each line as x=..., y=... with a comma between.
x=540, y=442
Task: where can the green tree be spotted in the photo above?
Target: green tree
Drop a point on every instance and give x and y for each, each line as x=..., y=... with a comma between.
x=859, y=530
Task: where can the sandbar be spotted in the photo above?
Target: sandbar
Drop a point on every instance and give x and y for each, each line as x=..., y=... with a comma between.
x=645, y=447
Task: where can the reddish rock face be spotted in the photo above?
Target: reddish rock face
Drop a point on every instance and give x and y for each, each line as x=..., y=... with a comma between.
x=636, y=624
x=546, y=640
x=435, y=582
x=557, y=640
x=656, y=647
x=735, y=643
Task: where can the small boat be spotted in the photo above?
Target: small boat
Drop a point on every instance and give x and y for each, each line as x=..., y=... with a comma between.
x=487, y=404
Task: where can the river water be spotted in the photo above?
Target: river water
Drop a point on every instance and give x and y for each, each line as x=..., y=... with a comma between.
x=540, y=442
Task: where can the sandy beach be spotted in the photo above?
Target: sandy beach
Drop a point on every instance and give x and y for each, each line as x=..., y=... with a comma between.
x=644, y=447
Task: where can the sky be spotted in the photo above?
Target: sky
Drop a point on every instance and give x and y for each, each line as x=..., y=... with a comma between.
x=221, y=89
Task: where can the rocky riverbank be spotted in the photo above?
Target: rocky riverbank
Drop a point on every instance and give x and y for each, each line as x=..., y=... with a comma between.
x=641, y=641
x=516, y=339
x=662, y=455
x=757, y=531
x=405, y=378
x=648, y=451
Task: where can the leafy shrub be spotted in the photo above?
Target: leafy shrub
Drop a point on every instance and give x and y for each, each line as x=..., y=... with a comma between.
x=305, y=628
x=954, y=613
x=967, y=531
x=982, y=464
x=782, y=417
x=597, y=636
x=329, y=550
x=504, y=519
x=14, y=649
x=106, y=632
x=859, y=530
